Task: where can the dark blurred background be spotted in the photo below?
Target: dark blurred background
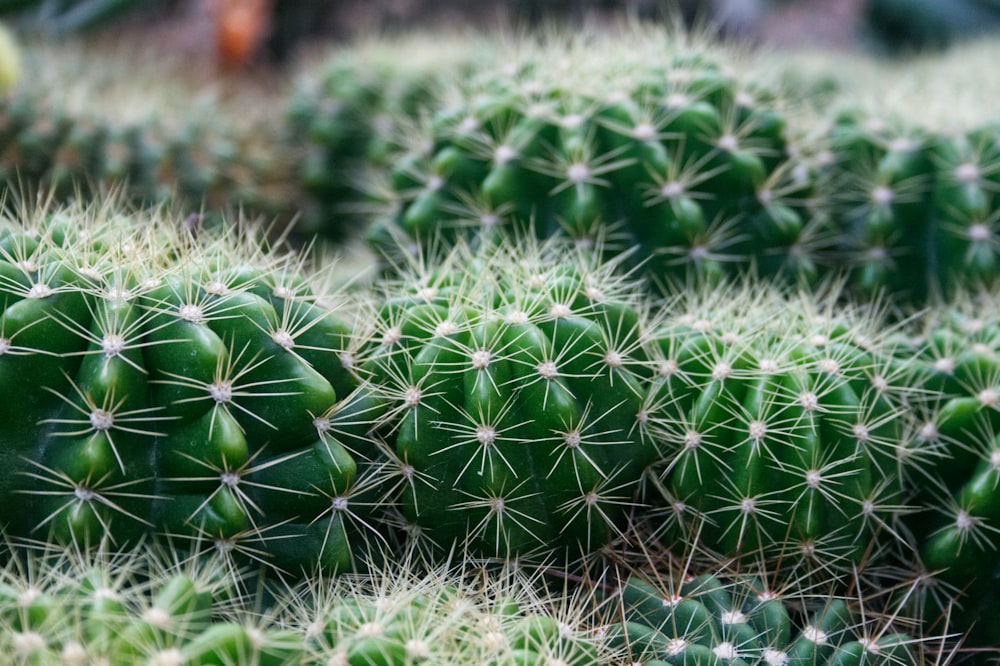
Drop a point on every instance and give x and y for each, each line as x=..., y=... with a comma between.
x=249, y=31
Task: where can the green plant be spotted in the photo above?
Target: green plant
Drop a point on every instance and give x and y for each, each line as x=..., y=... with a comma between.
x=679, y=162
x=781, y=423
x=742, y=617
x=515, y=382
x=181, y=381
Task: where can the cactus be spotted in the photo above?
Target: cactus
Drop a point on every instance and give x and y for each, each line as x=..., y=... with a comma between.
x=957, y=452
x=349, y=116
x=515, y=382
x=68, y=607
x=445, y=614
x=102, y=132
x=679, y=159
x=175, y=384
x=745, y=618
x=780, y=422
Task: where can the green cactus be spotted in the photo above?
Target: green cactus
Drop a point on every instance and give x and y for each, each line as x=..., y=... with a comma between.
x=162, y=382
x=515, y=378
x=780, y=422
x=447, y=614
x=741, y=618
x=68, y=607
x=957, y=453
x=678, y=159
x=97, y=133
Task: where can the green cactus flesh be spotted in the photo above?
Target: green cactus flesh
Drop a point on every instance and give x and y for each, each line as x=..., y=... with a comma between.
x=717, y=620
x=159, y=383
x=780, y=423
x=677, y=159
x=67, y=608
x=515, y=377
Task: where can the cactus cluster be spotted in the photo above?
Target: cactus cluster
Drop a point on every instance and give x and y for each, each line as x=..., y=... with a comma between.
x=67, y=133
x=512, y=389
x=159, y=382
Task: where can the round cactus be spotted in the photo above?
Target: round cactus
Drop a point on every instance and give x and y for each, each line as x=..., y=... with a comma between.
x=781, y=423
x=515, y=380
x=162, y=382
x=66, y=607
x=447, y=614
x=678, y=159
x=956, y=448
x=741, y=618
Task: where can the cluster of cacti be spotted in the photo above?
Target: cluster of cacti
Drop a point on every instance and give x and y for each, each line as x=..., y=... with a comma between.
x=517, y=399
x=72, y=608
x=746, y=619
x=159, y=381
x=67, y=134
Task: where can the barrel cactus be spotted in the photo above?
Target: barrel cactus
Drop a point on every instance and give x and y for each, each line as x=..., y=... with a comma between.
x=679, y=159
x=781, y=422
x=515, y=378
x=70, y=607
x=742, y=618
x=179, y=384
x=955, y=443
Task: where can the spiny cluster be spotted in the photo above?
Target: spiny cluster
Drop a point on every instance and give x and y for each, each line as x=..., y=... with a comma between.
x=743, y=618
x=96, y=134
x=67, y=609
x=442, y=616
x=159, y=381
x=676, y=157
x=515, y=382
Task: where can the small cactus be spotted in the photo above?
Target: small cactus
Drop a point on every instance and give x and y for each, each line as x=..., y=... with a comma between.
x=744, y=618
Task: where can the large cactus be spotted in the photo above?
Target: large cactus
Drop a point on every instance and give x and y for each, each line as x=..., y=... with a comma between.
x=677, y=158
x=159, y=382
